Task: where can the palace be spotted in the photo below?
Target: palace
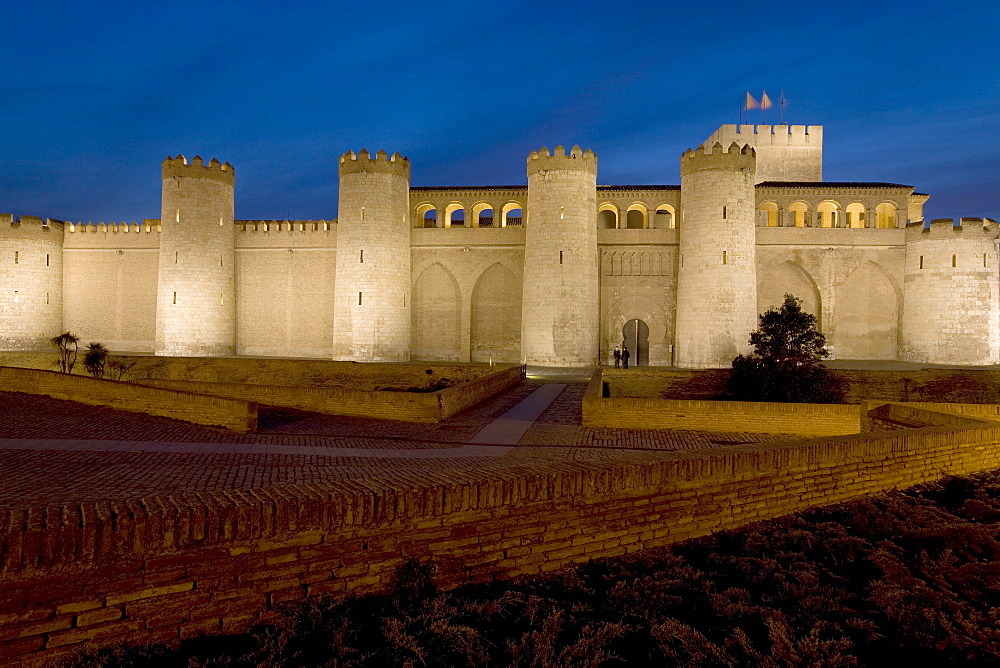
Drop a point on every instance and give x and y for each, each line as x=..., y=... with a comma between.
x=556, y=272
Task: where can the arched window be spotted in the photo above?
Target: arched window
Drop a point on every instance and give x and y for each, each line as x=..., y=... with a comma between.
x=635, y=217
x=829, y=214
x=513, y=215
x=855, y=214
x=800, y=214
x=769, y=214
x=454, y=215
x=426, y=215
x=885, y=215
x=482, y=215
x=664, y=218
x=607, y=216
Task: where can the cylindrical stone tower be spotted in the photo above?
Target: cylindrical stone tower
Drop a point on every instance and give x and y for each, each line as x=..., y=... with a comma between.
x=560, y=324
x=371, y=316
x=951, y=305
x=717, y=273
x=31, y=284
x=196, y=293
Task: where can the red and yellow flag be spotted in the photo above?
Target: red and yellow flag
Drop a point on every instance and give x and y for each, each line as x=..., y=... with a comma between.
x=765, y=101
x=750, y=103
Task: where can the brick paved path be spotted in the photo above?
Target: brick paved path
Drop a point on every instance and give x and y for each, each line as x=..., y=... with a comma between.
x=54, y=451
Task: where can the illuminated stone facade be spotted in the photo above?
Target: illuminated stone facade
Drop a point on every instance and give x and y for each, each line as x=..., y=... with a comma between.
x=557, y=272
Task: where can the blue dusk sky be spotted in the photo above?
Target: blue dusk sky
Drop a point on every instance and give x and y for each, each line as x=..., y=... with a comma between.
x=93, y=95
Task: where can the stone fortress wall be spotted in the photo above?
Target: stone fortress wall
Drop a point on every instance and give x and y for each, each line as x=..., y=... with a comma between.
x=476, y=267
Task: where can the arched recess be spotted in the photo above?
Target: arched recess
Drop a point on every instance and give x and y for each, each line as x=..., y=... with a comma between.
x=855, y=214
x=664, y=217
x=426, y=216
x=866, y=315
x=454, y=215
x=436, y=316
x=496, y=316
x=800, y=214
x=885, y=215
x=482, y=215
x=774, y=282
x=636, y=217
x=637, y=307
x=607, y=216
x=769, y=214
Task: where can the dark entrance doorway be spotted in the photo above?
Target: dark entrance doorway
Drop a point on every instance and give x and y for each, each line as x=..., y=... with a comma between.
x=635, y=335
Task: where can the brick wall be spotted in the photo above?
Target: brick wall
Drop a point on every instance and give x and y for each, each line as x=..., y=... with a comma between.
x=892, y=385
x=304, y=372
x=159, y=569
x=235, y=414
x=428, y=407
x=734, y=416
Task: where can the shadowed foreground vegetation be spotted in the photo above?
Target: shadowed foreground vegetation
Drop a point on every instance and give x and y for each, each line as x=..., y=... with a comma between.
x=906, y=578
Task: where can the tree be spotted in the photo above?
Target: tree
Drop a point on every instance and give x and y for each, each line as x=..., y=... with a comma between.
x=94, y=359
x=786, y=361
x=67, y=345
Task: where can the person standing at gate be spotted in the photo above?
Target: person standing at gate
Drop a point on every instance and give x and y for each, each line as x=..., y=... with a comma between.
x=618, y=357
x=625, y=355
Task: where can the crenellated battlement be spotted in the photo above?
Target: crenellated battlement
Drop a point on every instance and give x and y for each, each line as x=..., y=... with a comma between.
x=146, y=226
x=716, y=156
x=769, y=135
x=197, y=168
x=29, y=227
x=286, y=226
x=949, y=228
x=355, y=163
x=576, y=159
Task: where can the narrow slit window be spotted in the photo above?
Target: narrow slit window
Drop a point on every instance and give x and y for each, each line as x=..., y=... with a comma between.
x=175, y=256
x=220, y=221
x=46, y=298
x=682, y=260
x=17, y=255
x=47, y=260
x=222, y=299
x=175, y=297
x=921, y=261
x=984, y=259
x=562, y=213
x=560, y=257
x=359, y=299
x=953, y=260
x=16, y=298
x=362, y=256
x=220, y=260
x=178, y=216
x=723, y=213
x=362, y=213
x=724, y=258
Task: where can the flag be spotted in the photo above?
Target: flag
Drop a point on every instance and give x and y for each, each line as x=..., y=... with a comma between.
x=750, y=103
x=765, y=101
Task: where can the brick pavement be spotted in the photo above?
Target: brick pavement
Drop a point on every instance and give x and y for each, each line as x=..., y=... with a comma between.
x=42, y=477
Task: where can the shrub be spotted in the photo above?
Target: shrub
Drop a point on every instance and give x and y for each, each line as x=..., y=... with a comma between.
x=94, y=359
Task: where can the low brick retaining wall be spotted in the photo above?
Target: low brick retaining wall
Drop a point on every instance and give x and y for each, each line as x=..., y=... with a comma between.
x=909, y=385
x=236, y=414
x=164, y=568
x=879, y=415
x=732, y=416
x=425, y=407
